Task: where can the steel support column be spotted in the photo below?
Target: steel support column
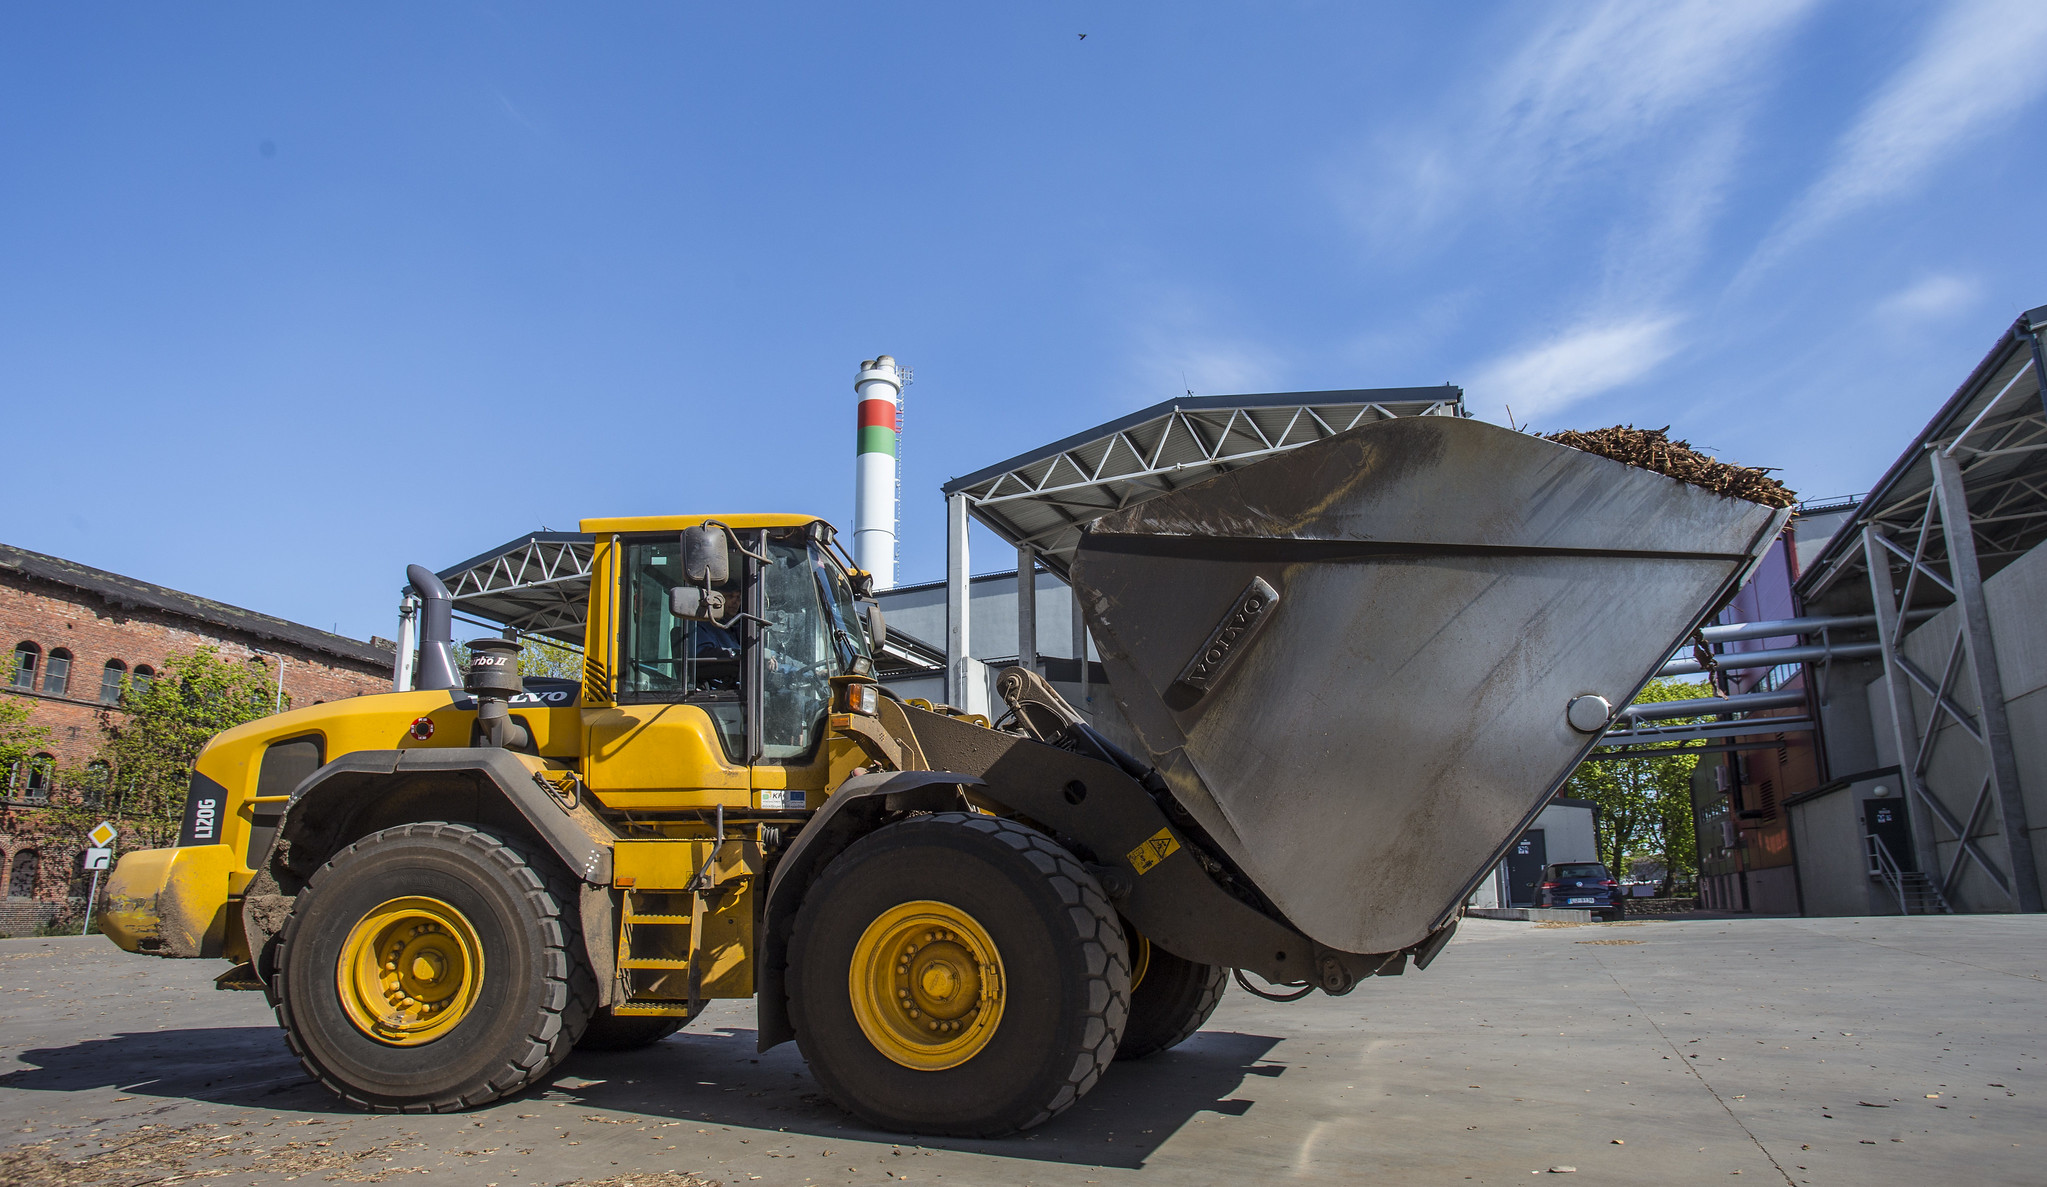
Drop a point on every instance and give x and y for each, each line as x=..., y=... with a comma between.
x=1080, y=651
x=408, y=642
x=1898, y=698
x=2040, y=361
x=958, y=601
x=1982, y=649
x=1027, y=607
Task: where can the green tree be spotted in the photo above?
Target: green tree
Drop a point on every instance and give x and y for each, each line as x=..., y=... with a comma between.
x=151, y=743
x=1645, y=803
x=19, y=740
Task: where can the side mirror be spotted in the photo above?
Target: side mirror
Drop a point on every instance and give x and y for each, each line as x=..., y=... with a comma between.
x=698, y=605
x=705, y=558
x=877, y=627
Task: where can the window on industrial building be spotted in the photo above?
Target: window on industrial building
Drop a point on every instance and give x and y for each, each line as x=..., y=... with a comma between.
x=57, y=673
x=144, y=677
x=110, y=682
x=21, y=876
x=99, y=783
x=25, y=657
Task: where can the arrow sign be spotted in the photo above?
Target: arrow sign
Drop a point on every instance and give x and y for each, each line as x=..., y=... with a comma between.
x=99, y=859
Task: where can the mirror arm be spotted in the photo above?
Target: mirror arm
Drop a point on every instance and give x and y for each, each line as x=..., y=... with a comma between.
x=734, y=538
x=743, y=616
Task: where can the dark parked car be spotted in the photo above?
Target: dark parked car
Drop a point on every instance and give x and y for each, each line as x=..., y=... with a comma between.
x=1581, y=885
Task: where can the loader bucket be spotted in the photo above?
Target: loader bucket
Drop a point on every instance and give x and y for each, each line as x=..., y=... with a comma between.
x=1354, y=662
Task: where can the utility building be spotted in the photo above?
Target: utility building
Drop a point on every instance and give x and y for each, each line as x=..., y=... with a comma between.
x=1935, y=740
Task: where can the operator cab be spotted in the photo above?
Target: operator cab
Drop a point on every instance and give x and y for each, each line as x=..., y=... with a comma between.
x=780, y=586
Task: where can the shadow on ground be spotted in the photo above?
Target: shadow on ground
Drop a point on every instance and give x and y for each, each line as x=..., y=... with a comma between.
x=712, y=1076
x=231, y=1065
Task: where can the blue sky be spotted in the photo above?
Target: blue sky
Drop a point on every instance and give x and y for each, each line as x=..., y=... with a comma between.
x=289, y=299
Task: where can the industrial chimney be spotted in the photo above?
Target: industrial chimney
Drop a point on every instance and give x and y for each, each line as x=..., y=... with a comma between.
x=879, y=387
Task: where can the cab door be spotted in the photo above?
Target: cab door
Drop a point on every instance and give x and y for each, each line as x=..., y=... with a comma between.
x=800, y=652
x=674, y=733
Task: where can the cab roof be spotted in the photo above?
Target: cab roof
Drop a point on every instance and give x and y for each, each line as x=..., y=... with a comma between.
x=676, y=523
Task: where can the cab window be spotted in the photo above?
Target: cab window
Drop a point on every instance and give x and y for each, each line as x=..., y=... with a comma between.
x=801, y=652
x=665, y=658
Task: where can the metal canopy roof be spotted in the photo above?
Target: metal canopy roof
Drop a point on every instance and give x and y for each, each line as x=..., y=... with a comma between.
x=538, y=584
x=1995, y=428
x=1045, y=497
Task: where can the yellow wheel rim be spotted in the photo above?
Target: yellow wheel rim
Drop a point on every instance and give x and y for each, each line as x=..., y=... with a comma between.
x=927, y=985
x=1140, y=956
x=409, y=971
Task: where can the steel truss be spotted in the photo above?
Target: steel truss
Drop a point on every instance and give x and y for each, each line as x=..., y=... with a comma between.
x=1948, y=532
x=538, y=584
x=1042, y=499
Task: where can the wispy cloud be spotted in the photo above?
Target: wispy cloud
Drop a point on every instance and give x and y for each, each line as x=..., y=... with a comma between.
x=1599, y=82
x=1185, y=339
x=1935, y=296
x=1620, y=126
x=1580, y=99
x=1979, y=66
x=1572, y=366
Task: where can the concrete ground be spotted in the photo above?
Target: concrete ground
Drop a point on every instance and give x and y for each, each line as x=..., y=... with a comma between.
x=1850, y=1051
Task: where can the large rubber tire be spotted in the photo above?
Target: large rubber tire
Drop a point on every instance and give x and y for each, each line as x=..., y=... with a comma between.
x=1066, y=982
x=612, y=1032
x=533, y=999
x=1172, y=1001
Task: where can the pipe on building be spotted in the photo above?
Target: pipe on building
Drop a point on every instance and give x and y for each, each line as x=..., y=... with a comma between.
x=1712, y=706
x=880, y=389
x=1795, y=626
x=1738, y=660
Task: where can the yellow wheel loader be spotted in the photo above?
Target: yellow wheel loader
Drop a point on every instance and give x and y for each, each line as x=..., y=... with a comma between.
x=1354, y=672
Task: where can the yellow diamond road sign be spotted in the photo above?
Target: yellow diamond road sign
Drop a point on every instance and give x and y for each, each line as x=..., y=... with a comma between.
x=102, y=835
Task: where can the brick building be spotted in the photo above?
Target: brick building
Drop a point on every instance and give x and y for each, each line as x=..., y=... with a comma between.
x=74, y=633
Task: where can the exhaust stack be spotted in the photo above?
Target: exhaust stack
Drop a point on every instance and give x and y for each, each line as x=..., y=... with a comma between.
x=436, y=631
x=880, y=388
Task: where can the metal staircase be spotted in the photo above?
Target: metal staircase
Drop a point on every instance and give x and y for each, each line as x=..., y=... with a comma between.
x=1915, y=892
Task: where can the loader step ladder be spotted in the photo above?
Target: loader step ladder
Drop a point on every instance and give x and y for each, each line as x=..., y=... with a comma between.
x=662, y=939
x=668, y=889
x=1915, y=892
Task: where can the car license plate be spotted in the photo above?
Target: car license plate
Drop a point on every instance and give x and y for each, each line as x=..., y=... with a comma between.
x=1578, y=900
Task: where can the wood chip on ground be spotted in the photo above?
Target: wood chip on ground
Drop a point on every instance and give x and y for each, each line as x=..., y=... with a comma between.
x=1652, y=449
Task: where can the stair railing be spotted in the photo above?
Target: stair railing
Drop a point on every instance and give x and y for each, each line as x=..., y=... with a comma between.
x=1883, y=865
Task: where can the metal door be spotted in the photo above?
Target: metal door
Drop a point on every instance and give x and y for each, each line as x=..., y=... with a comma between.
x=1524, y=868
x=1885, y=820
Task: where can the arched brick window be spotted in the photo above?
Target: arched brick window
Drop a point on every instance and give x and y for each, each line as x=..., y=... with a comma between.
x=110, y=682
x=36, y=784
x=57, y=672
x=22, y=875
x=27, y=657
x=144, y=677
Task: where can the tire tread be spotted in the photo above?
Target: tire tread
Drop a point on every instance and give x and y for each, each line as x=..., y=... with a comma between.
x=1095, y=923
x=572, y=988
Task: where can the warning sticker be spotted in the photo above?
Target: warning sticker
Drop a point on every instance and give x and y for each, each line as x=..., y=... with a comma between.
x=1156, y=848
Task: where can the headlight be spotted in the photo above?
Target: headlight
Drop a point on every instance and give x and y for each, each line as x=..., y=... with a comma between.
x=863, y=698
